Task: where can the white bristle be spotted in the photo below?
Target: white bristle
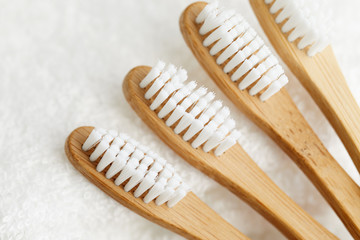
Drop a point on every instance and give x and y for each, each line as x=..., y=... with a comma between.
x=256, y=73
x=110, y=154
x=210, y=7
x=135, y=178
x=194, y=111
x=211, y=127
x=160, y=81
x=180, y=110
x=219, y=135
x=216, y=34
x=243, y=51
x=130, y=167
x=179, y=194
x=249, y=63
x=146, y=183
x=272, y=75
x=143, y=169
x=199, y=123
x=170, y=87
x=156, y=190
x=176, y=98
x=274, y=87
x=307, y=20
x=169, y=191
x=154, y=73
x=209, y=21
x=167, y=172
x=120, y=161
x=93, y=139
x=241, y=48
x=227, y=142
x=189, y=118
x=287, y=11
x=277, y=5
x=102, y=146
x=215, y=19
x=224, y=41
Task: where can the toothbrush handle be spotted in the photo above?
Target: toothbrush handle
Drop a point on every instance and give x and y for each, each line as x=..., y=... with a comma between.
x=234, y=169
x=282, y=121
x=322, y=78
x=240, y=174
x=337, y=187
x=324, y=81
x=326, y=84
x=190, y=217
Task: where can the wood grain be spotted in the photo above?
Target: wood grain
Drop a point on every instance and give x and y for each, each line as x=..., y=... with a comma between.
x=191, y=217
x=282, y=121
x=234, y=169
x=322, y=78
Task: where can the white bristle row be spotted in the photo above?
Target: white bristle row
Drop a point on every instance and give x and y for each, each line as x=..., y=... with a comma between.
x=193, y=109
x=306, y=20
x=240, y=44
x=137, y=164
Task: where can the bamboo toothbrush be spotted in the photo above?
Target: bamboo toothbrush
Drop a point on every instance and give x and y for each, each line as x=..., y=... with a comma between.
x=278, y=116
x=135, y=176
x=305, y=50
x=200, y=130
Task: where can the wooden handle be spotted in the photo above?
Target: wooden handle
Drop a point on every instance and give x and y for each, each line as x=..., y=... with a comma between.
x=243, y=177
x=283, y=122
x=234, y=170
x=327, y=86
x=190, y=218
x=322, y=78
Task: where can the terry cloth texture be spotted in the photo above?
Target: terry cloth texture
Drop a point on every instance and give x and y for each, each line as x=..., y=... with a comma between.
x=62, y=63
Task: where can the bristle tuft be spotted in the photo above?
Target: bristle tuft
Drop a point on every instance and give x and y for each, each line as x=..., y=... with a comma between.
x=306, y=20
x=136, y=164
x=241, y=48
x=192, y=111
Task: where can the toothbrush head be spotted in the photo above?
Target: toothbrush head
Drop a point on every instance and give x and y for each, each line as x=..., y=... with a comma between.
x=304, y=22
x=239, y=51
x=190, y=111
x=134, y=167
x=143, y=182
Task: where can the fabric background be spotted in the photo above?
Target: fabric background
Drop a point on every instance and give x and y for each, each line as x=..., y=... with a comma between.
x=62, y=63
